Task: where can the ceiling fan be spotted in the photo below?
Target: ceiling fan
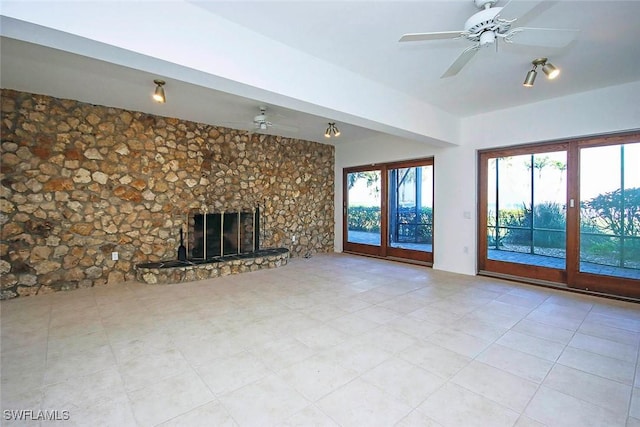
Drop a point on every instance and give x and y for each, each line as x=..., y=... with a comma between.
x=261, y=123
x=490, y=24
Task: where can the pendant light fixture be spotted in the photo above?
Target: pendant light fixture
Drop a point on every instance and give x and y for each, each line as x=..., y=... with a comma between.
x=548, y=68
x=332, y=130
x=159, y=95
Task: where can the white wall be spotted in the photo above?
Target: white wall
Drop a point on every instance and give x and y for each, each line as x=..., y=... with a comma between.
x=602, y=111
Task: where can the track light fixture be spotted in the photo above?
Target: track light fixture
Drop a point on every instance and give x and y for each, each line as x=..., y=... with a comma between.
x=548, y=68
x=332, y=130
x=159, y=95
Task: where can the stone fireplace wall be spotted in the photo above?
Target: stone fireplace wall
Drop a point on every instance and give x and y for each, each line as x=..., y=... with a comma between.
x=81, y=181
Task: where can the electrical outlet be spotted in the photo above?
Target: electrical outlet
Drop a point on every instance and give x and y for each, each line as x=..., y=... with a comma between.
x=293, y=239
x=114, y=256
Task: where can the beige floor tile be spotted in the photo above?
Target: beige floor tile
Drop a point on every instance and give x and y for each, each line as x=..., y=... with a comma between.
x=368, y=406
x=199, y=351
x=622, y=336
x=538, y=347
x=591, y=388
x=16, y=399
x=530, y=302
x=634, y=410
x=500, y=386
x=269, y=401
x=332, y=340
x=554, y=408
x=387, y=338
x=357, y=356
x=524, y=365
x=605, y=347
x=556, y=317
x=434, y=358
x=544, y=331
x=149, y=368
x=626, y=323
x=71, y=345
x=282, y=353
x=405, y=381
x=114, y=412
x=321, y=337
x=525, y=421
x=460, y=342
x=168, y=398
x=309, y=416
x=79, y=364
x=403, y=304
x=607, y=367
x=633, y=422
x=437, y=317
x=351, y=324
x=417, y=418
x=479, y=329
x=377, y=314
x=211, y=414
x=317, y=376
x=507, y=309
x=149, y=344
x=614, y=308
x=230, y=373
x=84, y=392
x=325, y=312
x=453, y=406
x=23, y=368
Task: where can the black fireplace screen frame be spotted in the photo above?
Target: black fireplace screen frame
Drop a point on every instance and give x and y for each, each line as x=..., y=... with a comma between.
x=213, y=235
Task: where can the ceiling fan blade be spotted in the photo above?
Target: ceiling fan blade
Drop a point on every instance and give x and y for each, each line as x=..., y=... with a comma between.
x=462, y=60
x=545, y=37
x=415, y=37
x=524, y=11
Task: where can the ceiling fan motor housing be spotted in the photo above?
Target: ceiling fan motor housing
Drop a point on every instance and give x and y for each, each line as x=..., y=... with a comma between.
x=482, y=27
x=482, y=4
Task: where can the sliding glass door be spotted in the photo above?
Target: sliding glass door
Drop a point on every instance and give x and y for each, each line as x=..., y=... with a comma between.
x=609, y=213
x=363, y=211
x=565, y=213
x=526, y=217
x=410, y=212
x=389, y=210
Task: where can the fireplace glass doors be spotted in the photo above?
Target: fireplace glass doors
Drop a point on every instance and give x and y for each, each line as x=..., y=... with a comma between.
x=220, y=234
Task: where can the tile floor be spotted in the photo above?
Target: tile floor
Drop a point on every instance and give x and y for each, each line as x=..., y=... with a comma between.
x=335, y=340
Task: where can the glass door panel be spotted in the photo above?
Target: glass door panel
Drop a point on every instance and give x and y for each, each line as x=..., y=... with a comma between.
x=411, y=208
x=610, y=210
x=526, y=211
x=364, y=207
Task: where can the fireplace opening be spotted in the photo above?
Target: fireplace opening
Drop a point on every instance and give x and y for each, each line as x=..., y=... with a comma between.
x=212, y=235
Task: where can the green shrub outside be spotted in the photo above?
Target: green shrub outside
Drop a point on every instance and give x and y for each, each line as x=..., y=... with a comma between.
x=367, y=218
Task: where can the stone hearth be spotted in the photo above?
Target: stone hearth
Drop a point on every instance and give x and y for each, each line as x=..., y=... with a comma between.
x=174, y=271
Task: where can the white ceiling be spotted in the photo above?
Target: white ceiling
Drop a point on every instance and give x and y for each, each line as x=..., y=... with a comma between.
x=345, y=60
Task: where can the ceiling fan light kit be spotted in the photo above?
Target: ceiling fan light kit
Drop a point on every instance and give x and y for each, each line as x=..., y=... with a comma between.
x=490, y=24
x=159, y=95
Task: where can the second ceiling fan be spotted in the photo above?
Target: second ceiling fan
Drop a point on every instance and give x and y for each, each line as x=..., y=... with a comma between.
x=491, y=24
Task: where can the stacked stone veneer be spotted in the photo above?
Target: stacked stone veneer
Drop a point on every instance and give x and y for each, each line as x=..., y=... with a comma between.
x=190, y=273
x=81, y=181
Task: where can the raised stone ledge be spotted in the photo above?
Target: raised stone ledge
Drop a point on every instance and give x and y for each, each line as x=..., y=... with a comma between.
x=174, y=271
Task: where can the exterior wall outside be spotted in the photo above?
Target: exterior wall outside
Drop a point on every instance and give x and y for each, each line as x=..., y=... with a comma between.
x=81, y=181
